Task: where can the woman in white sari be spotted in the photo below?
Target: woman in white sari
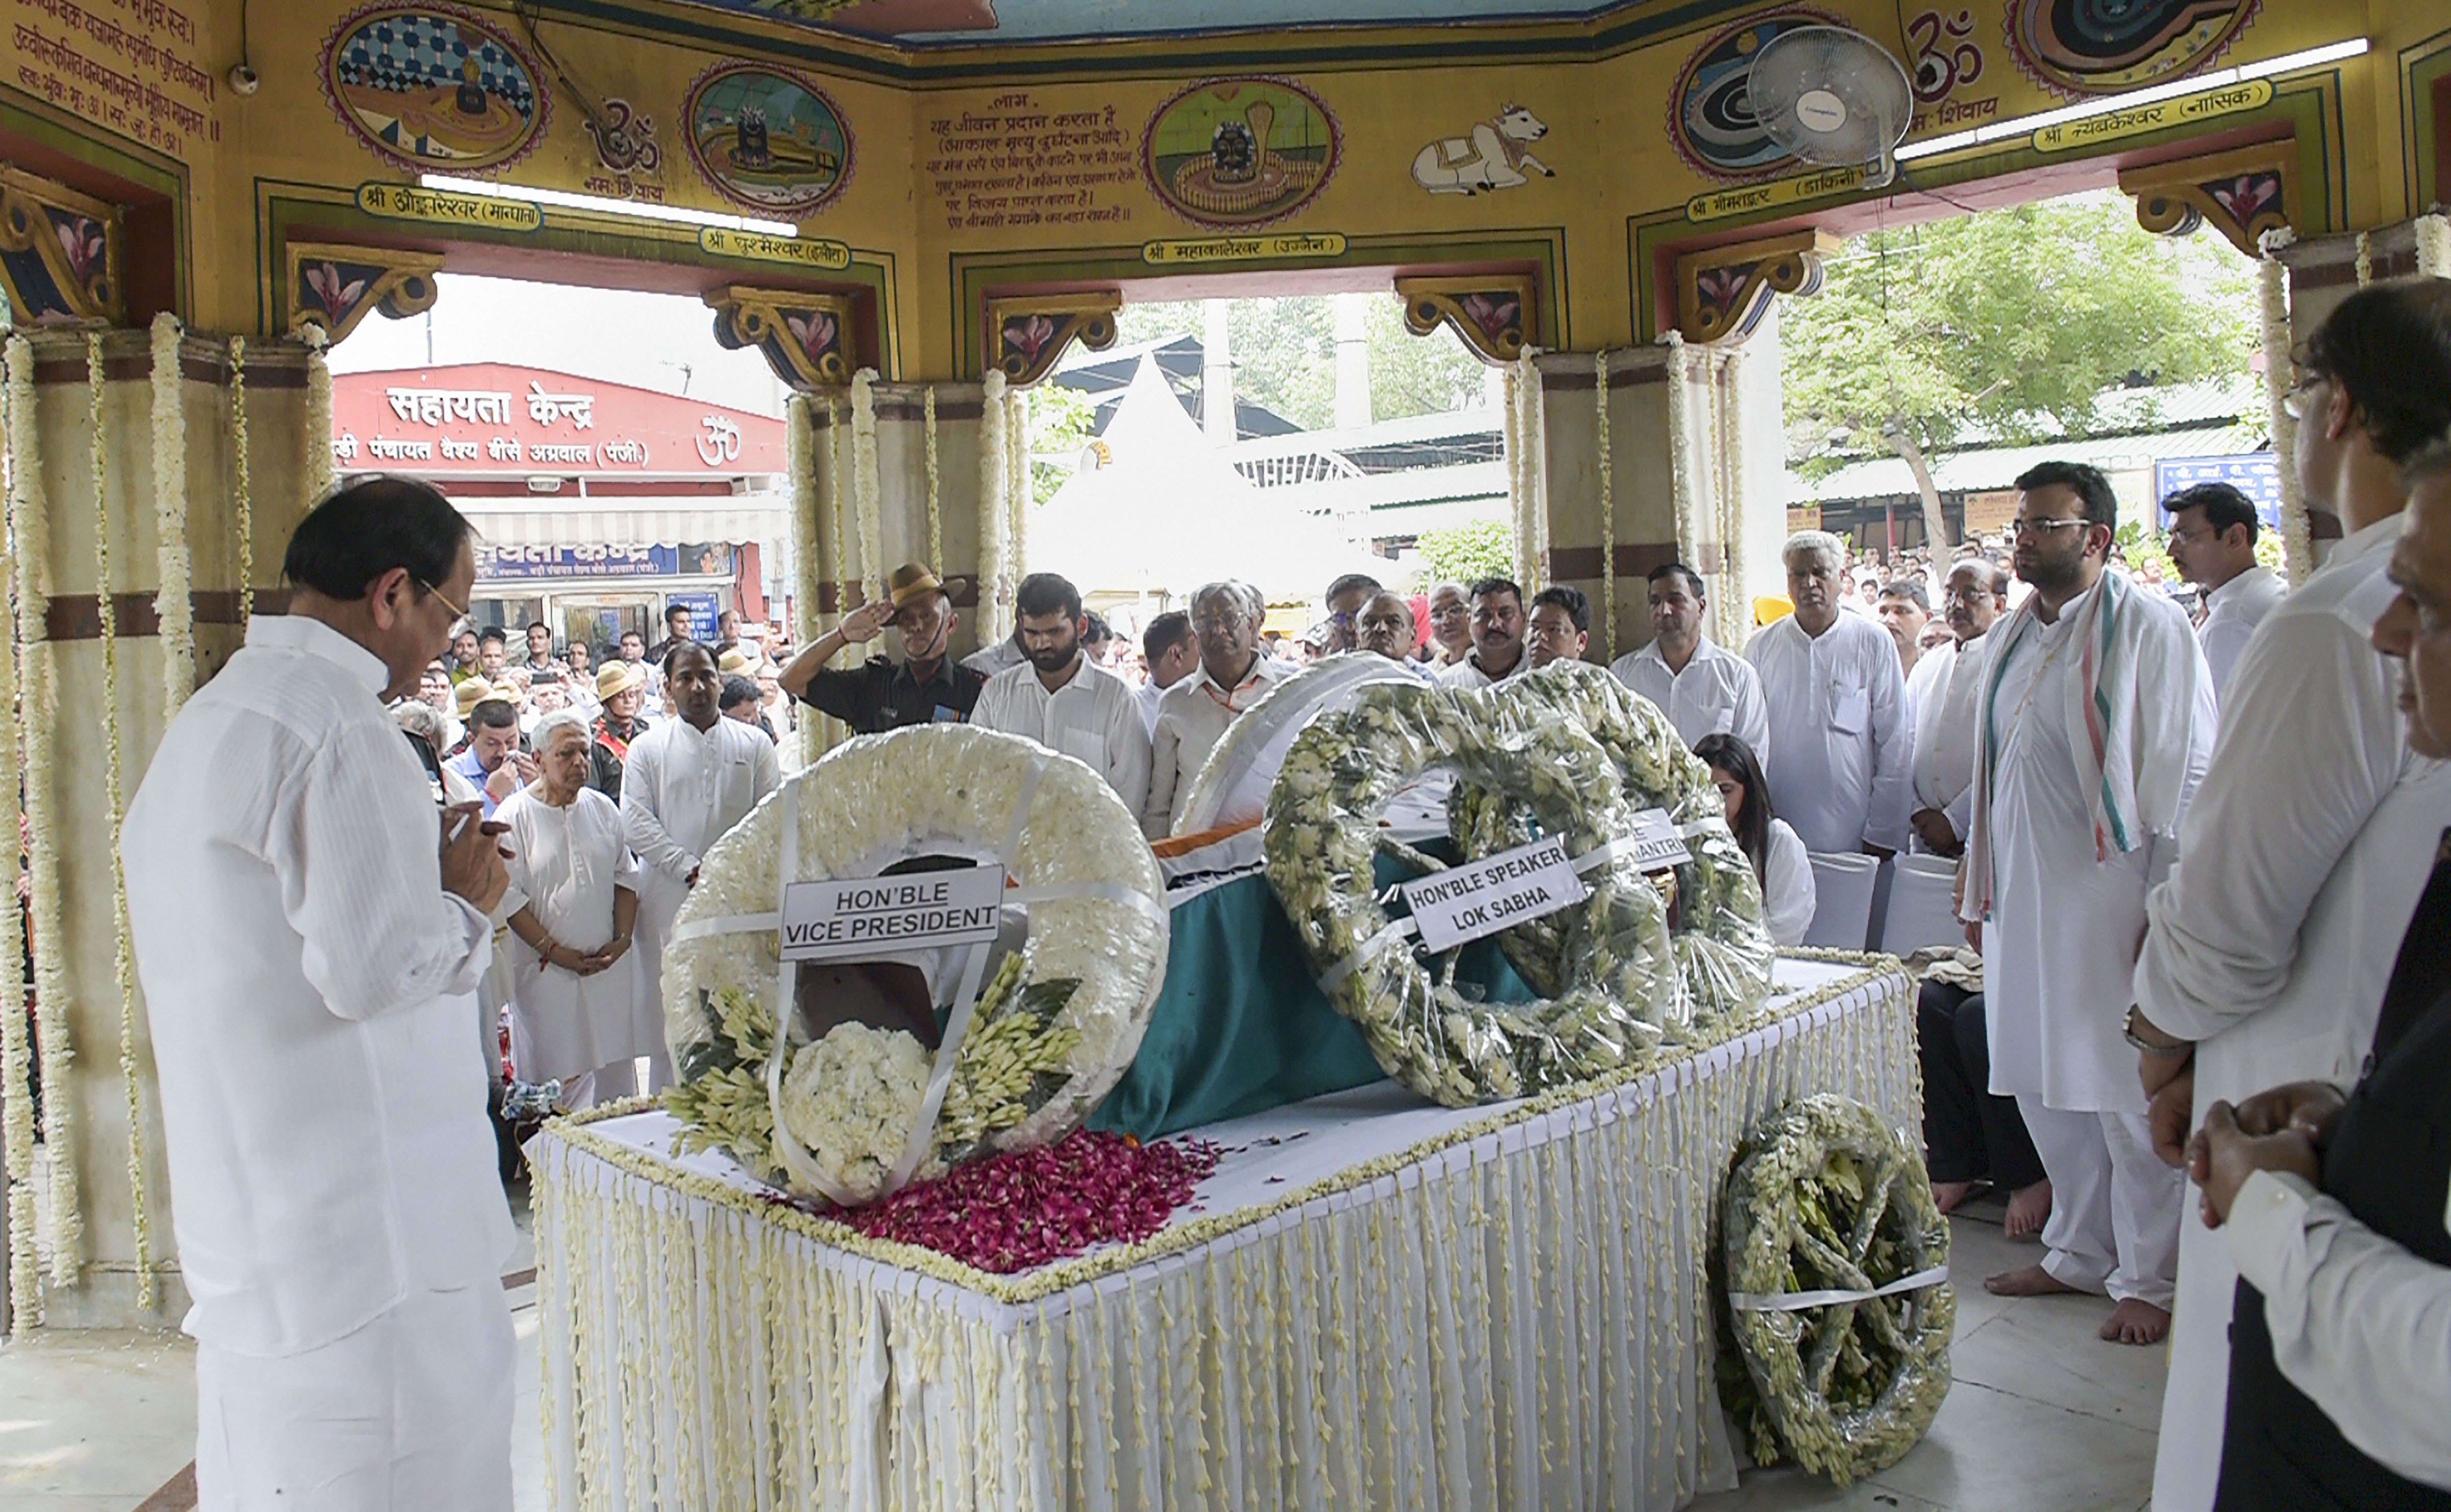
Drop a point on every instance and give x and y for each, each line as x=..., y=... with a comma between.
x=579, y=1013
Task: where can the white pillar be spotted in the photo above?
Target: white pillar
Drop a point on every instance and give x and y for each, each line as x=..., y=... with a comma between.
x=1216, y=376
x=1352, y=360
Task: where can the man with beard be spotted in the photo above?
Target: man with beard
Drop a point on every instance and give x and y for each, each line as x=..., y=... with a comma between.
x=1062, y=700
x=1195, y=712
x=1840, y=735
x=689, y=779
x=621, y=688
x=925, y=687
x=463, y=655
x=1705, y=689
x=2095, y=722
x=1497, y=626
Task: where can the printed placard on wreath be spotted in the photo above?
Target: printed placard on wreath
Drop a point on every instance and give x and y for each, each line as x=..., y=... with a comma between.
x=859, y=917
x=1658, y=843
x=1494, y=893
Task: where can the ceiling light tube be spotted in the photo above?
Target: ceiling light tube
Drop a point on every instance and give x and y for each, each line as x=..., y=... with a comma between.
x=2311, y=57
x=604, y=207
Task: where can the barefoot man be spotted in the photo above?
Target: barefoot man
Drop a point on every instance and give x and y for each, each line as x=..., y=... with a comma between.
x=2096, y=721
x=2313, y=834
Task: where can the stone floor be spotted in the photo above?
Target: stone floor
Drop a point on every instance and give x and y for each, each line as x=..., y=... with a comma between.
x=2044, y=1417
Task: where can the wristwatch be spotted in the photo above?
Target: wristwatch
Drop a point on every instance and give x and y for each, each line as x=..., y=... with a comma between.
x=2135, y=1015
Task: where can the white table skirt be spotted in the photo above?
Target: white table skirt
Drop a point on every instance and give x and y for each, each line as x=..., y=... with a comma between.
x=1374, y=1303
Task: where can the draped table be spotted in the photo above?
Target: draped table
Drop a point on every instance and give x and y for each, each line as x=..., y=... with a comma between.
x=1373, y=1303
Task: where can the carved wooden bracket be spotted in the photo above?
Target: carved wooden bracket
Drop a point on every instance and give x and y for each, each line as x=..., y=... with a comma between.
x=2241, y=193
x=1028, y=335
x=334, y=288
x=1723, y=291
x=59, y=253
x=806, y=338
x=1490, y=311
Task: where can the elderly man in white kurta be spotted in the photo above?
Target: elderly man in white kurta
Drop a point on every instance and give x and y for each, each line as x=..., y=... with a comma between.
x=2096, y=722
x=687, y=781
x=1841, y=739
x=1193, y=715
x=579, y=1013
x=1705, y=689
x=307, y=965
x=2307, y=847
x=1062, y=700
x=1976, y=594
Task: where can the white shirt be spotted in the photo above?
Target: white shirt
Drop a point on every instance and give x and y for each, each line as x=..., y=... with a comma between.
x=683, y=787
x=2358, y=1323
x=1788, y=894
x=306, y=979
x=989, y=661
x=568, y=862
x=1718, y=692
x=1947, y=718
x=2231, y=613
x=1468, y=676
x=1841, y=738
x=1147, y=695
x=1093, y=716
x=1190, y=717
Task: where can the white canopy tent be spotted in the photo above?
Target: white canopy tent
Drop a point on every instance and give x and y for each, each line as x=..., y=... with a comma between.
x=1164, y=512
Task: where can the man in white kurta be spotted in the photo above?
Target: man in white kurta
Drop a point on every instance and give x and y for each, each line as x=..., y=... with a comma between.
x=1062, y=700
x=307, y=965
x=2096, y=723
x=1945, y=714
x=687, y=781
x=1704, y=688
x=1498, y=627
x=2212, y=543
x=2305, y=854
x=1841, y=742
x=1193, y=715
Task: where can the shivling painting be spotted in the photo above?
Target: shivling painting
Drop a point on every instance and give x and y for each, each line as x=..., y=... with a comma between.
x=1239, y=152
x=767, y=139
x=430, y=88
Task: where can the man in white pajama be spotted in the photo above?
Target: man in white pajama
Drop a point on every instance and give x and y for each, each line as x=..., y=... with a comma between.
x=2097, y=719
x=306, y=961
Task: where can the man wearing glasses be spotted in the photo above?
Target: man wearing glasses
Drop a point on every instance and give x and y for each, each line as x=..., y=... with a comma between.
x=2095, y=722
x=1346, y=598
x=2213, y=543
x=308, y=940
x=1194, y=713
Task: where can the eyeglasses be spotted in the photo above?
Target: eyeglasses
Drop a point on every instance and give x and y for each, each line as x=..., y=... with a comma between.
x=457, y=613
x=1202, y=624
x=2022, y=529
x=2179, y=536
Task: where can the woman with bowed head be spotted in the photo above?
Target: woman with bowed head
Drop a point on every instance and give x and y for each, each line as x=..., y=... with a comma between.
x=578, y=1013
x=1778, y=856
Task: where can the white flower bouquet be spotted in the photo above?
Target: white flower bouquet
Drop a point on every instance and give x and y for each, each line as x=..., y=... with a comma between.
x=1320, y=841
x=1838, y=1304
x=1055, y=1026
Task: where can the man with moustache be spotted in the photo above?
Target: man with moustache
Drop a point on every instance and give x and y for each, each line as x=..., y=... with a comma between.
x=1195, y=712
x=925, y=687
x=1062, y=700
x=1497, y=626
x=2272, y=944
x=2095, y=721
x=2212, y=543
x=1705, y=689
x=1384, y=628
x=1841, y=738
x=1944, y=721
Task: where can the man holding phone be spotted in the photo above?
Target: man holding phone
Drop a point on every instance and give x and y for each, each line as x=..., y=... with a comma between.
x=493, y=763
x=307, y=934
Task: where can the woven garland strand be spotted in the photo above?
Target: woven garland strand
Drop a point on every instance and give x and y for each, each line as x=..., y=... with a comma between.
x=16, y=1046
x=2433, y=245
x=1727, y=412
x=1680, y=450
x=936, y=501
x=320, y=474
x=241, y=485
x=866, y=481
x=2365, y=260
x=1607, y=469
x=174, y=605
x=2272, y=287
x=1511, y=443
x=994, y=586
x=1531, y=429
x=114, y=782
x=807, y=570
x=1018, y=492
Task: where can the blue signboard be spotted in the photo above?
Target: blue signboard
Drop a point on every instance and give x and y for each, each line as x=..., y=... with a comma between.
x=2256, y=474
x=704, y=614
x=546, y=563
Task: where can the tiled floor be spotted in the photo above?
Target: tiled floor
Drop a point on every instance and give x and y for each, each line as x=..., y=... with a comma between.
x=2043, y=1417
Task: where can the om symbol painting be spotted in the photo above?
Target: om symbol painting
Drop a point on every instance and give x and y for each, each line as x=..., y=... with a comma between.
x=431, y=87
x=1710, y=118
x=767, y=139
x=1237, y=153
x=2104, y=47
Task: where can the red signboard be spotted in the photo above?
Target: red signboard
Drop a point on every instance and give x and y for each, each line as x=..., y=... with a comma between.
x=488, y=418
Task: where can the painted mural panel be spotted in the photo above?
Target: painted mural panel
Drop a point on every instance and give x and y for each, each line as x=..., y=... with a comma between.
x=433, y=88
x=1237, y=153
x=1710, y=118
x=767, y=139
x=2103, y=47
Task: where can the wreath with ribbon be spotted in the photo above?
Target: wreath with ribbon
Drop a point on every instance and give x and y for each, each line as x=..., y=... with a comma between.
x=860, y=1110
x=1839, y=1301
x=1323, y=835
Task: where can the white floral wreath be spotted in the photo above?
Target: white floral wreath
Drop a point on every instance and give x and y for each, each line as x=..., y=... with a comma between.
x=1322, y=834
x=863, y=1109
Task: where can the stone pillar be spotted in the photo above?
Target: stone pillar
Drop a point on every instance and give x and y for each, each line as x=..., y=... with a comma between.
x=81, y=960
x=902, y=495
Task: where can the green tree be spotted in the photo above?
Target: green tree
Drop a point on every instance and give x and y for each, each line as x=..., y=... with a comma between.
x=1061, y=421
x=1482, y=548
x=1418, y=375
x=2010, y=325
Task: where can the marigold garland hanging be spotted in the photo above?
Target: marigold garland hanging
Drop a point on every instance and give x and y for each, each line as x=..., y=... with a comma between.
x=241, y=485
x=16, y=1048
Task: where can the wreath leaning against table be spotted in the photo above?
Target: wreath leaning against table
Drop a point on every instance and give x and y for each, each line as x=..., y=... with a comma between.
x=1837, y=1297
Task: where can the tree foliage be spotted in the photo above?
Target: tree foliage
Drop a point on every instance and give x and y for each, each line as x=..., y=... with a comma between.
x=1466, y=553
x=1284, y=356
x=1061, y=421
x=2007, y=325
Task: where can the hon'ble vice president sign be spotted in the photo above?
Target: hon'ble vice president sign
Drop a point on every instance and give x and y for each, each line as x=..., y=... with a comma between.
x=862, y=917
